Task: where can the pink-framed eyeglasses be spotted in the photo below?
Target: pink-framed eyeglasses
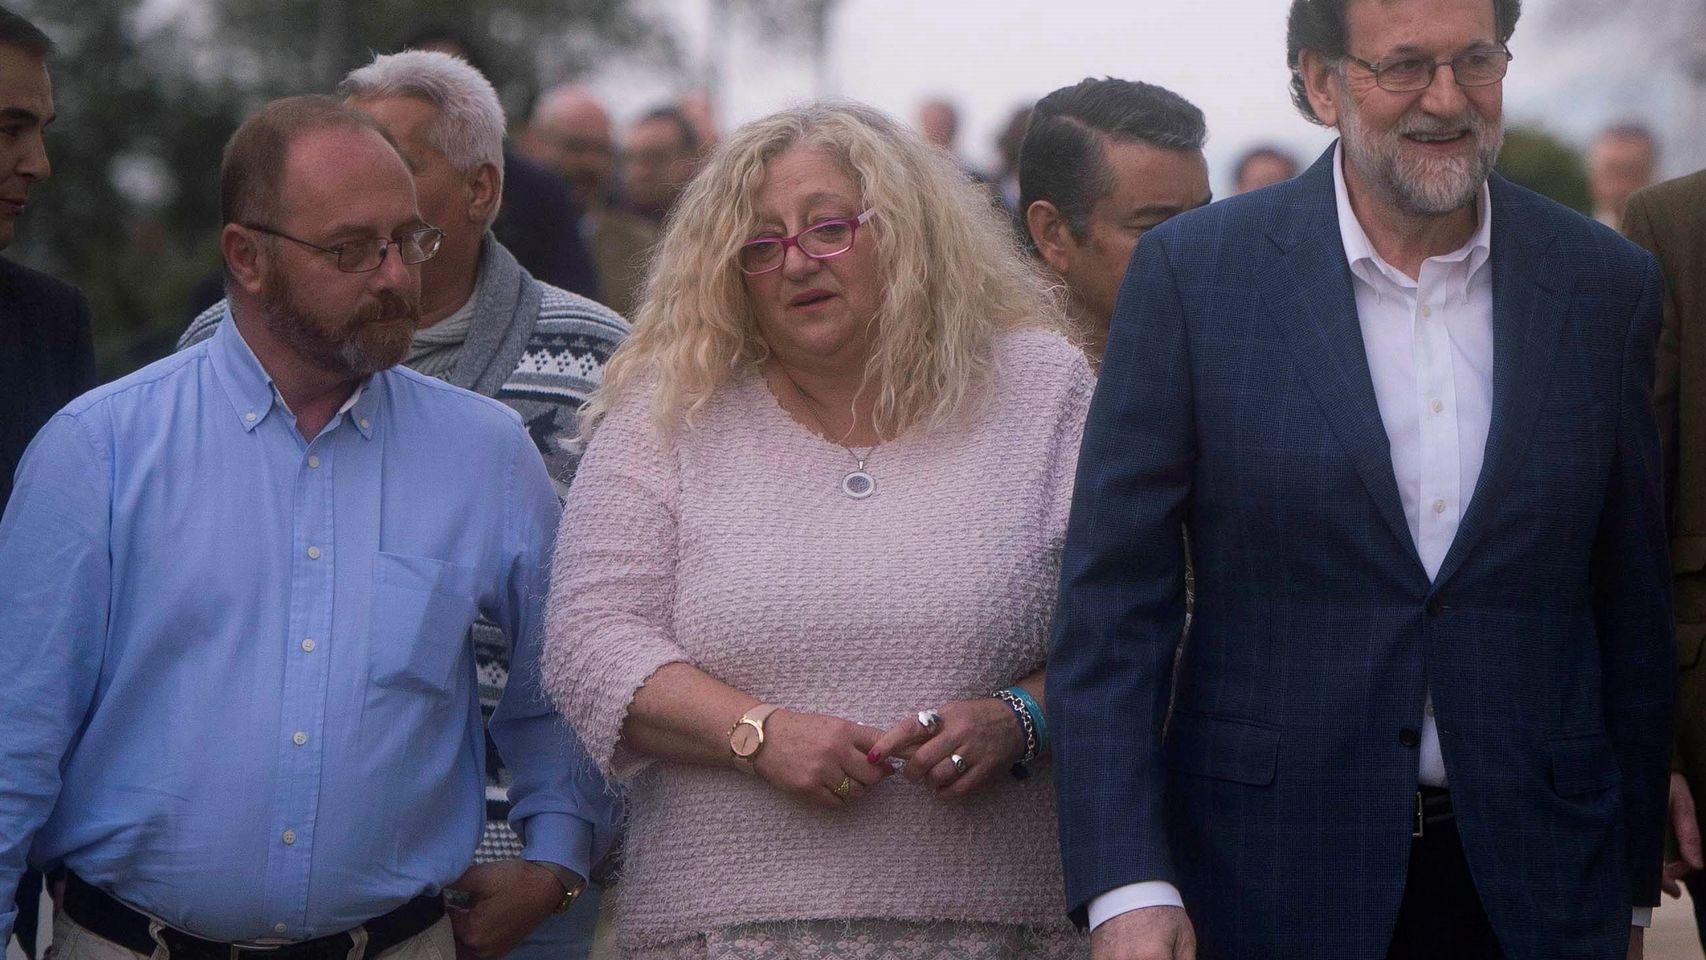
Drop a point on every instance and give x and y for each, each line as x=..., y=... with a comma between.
x=820, y=241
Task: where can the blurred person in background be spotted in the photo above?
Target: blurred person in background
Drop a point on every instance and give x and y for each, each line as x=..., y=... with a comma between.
x=701, y=111
x=490, y=327
x=1007, y=145
x=1103, y=162
x=538, y=222
x=1623, y=159
x=784, y=563
x=321, y=528
x=1262, y=166
x=47, y=356
x=939, y=122
x=660, y=153
x=569, y=132
x=1670, y=221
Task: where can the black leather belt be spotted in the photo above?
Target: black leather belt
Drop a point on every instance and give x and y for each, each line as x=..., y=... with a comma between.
x=106, y=917
x=1433, y=807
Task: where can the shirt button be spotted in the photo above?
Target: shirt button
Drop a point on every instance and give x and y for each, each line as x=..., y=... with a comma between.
x=250, y=416
x=1439, y=506
x=279, y=928
x=313, y=553
x=1428, y=708
x=300, y=738
x=307, y=644
x=1427, y=311
x=289, y=837
x=313, y=463
x=365, y=423
x=1436, y=406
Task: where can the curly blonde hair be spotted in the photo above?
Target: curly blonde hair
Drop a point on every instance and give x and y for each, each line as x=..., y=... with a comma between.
x=953, y=273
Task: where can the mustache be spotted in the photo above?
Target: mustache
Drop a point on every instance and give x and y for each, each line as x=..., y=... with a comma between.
x=387, y=307
x=1469, y=122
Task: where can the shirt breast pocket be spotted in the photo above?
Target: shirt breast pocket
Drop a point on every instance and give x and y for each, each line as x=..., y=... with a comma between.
x=422, y=609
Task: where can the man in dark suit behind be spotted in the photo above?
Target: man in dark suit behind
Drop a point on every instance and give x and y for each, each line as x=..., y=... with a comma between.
x=46, y=357
x=1401, y=409
x=1670, y=220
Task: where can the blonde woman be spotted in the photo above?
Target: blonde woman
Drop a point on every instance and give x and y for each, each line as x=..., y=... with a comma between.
x=815, y=540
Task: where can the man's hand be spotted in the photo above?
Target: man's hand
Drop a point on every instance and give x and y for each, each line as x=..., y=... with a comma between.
x=1152, y=933
x=510, y=898
x=1685, y=825
x=1636, y=937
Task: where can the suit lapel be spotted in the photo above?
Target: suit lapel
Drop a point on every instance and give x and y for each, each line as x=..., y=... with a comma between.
x=1309, y=297
x=1529, y=307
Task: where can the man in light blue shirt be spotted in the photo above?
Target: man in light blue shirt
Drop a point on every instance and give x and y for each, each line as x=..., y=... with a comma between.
x=237, y=586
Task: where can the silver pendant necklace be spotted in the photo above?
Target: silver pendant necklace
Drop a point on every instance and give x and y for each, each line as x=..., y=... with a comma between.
x=857, y=484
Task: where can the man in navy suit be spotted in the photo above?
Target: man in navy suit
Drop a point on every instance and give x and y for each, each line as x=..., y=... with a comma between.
x=1400, y=410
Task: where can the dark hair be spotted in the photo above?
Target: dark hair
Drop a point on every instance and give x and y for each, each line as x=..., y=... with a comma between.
x=1262, y=152
x=673, y=114
x=252, y=171
x=17, y=32
x=1061, y=159
x=1319, y=25
x=441, y=35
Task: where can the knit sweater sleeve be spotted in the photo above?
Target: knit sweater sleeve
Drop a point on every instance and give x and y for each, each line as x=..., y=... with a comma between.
x=609, y=616
x=1063, y=463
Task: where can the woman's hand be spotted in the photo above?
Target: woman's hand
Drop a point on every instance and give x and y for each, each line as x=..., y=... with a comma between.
x=983, y=733
x=818, y=760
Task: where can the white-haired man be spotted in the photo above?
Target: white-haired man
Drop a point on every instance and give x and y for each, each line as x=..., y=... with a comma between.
x=487, y=326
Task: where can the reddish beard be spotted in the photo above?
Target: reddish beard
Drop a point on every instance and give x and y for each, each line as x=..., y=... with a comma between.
x=376, y=337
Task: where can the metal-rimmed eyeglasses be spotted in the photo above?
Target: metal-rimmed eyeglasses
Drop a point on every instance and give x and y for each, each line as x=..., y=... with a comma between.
x=1480, y=67
x=820, y=241
x=364, y=256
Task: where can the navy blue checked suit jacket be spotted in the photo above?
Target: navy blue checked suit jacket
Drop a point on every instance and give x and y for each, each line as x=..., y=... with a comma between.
x=1236, y=403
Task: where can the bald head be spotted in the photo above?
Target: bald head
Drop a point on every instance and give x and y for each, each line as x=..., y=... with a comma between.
x=569, y=132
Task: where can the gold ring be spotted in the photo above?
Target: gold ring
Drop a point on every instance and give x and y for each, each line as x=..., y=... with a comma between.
x=845, y=785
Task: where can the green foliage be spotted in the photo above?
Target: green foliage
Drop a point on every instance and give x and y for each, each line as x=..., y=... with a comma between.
x=1539, y=161
x=131, y=213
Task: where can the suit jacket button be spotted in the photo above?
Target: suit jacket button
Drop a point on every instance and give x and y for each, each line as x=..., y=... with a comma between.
x=1434, y=606
x=1409, y=737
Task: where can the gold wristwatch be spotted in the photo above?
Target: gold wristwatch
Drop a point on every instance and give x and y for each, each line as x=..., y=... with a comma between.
x=746, y=737
x=573, y=884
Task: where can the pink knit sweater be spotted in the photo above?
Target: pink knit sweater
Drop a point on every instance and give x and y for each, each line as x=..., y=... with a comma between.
x=731, y=546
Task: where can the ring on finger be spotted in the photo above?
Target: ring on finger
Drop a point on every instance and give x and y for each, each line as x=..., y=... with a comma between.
x=842, y=788
x=959, y=763
x=930, y=720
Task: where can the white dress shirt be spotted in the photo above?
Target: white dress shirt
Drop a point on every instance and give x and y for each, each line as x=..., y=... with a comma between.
x=1429, y=341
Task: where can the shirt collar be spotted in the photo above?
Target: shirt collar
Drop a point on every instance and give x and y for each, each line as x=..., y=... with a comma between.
x=250, y=389
x=1366, y=263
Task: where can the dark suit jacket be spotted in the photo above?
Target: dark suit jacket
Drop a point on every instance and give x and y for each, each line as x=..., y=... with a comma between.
x=1670, y=220
x=1236, y=402
x=541, y=227
x=46, y=358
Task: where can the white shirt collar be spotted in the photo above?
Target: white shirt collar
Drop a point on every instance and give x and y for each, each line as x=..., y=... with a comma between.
x=1367, y=264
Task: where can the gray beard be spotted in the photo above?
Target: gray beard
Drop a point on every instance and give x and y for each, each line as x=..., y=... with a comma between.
x=1420, y=187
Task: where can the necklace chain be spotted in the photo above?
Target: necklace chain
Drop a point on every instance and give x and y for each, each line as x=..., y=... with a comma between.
x=811, y=408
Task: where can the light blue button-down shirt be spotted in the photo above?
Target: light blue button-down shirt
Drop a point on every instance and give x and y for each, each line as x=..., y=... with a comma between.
x=238, y=689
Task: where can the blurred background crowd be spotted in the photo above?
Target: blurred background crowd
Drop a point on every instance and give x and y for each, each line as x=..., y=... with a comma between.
x=618, y=99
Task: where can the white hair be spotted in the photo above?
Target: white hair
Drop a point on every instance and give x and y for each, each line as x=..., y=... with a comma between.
x=470, y=126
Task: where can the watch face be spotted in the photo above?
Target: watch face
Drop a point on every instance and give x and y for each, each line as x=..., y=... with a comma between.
x=745, y=740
